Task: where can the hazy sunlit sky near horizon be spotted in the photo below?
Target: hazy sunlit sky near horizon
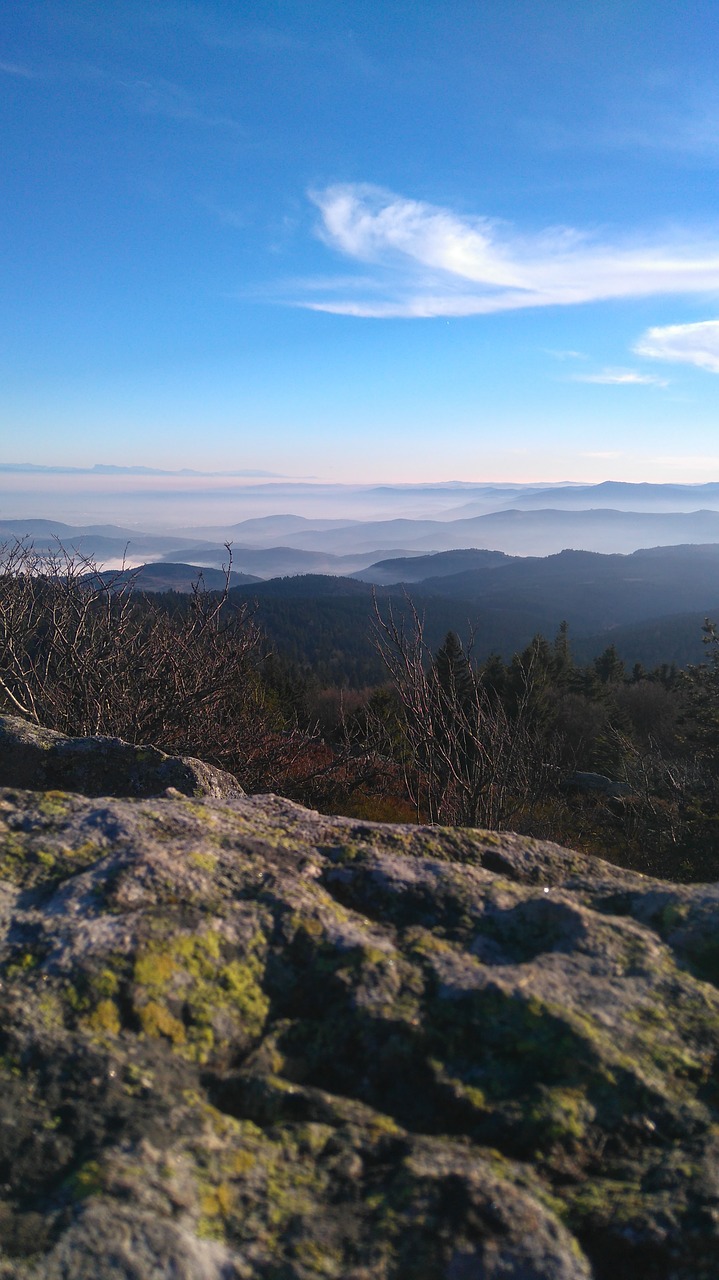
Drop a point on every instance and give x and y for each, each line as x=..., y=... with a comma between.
x=378, y=241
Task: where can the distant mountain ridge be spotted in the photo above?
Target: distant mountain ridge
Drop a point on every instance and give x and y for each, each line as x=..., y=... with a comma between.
x=590, y=590
x=621, y=495
x=540, y=531
x=111, y=469
x=182, y=577
x=651, y=604
x=440, y=563
x=198, y=505
x=317, y=604
x=527, y=524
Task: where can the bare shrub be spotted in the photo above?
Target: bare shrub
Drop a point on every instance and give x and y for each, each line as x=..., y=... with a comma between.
x=85, y=653
x=465, y=760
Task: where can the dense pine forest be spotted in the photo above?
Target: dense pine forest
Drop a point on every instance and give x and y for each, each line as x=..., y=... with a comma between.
x=376, y=706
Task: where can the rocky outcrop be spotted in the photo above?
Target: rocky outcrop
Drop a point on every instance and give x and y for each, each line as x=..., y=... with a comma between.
x=595, y=783
x=239, y=1039
x=41, y=758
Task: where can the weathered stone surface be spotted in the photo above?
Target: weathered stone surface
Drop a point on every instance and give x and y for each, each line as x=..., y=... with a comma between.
x=40, y=759
x=240, y=1039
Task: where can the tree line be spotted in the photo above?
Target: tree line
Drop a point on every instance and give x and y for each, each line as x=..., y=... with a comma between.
x=621, y=763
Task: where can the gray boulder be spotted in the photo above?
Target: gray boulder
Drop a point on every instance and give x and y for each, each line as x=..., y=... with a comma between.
x=596, y=784
x=42, y=759
x=240, y=1039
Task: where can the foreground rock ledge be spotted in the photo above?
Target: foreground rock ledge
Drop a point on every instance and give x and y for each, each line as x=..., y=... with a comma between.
x=240, y=1039
x=31, y=756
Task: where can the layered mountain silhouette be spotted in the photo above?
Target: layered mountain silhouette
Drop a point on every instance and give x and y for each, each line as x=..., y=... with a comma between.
x=636, y=564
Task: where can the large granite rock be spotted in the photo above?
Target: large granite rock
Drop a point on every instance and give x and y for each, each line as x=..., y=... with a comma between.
x=31, y=756
x=239, y=1039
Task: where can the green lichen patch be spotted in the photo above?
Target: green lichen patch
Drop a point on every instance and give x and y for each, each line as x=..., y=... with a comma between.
x=188, y=989
x=105, y=1018
x=33, y=852
x=311, y=1047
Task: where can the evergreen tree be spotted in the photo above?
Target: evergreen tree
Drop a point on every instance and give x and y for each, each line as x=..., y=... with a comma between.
x=453, y=671
x=701, y=685
x=609, y=666
x=562, y=664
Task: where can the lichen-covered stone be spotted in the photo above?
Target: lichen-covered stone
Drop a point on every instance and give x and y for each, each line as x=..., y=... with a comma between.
x=239, y=1039
x=42, y=759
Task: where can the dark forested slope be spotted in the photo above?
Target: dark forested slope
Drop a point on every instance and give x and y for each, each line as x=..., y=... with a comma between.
x=645, y=603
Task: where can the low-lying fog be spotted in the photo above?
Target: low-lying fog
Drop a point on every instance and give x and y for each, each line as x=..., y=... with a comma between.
x=194, y=502
x=282, y=527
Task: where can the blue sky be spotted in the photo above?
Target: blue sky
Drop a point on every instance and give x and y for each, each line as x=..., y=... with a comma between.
x=377, y=241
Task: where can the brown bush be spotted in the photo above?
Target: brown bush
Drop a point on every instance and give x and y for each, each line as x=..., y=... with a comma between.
x=466, y=760
x=86, y=653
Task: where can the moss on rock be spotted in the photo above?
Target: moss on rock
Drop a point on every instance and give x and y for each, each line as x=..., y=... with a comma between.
x=280, y=1044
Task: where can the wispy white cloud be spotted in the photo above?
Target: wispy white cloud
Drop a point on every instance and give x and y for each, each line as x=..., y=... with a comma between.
x=665, y=112
x=222, y=32
x=153, y=96
x=14, y=69
x=163, y=98
x=670, y=115
x=437, y=263
x=621, y=378
x=343, y=50
x=254, y=38
x=565, y=355
x=686, y=343
x=226, y=216
x=324, y=284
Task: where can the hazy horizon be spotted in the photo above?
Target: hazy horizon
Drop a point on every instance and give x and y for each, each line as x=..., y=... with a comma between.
x=162, y=500
x=173, y=500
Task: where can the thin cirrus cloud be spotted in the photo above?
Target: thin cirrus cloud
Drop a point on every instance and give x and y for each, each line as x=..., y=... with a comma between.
x=163, y=98
x=621, y=378
x=14, y=69
x=696, y=344
x=432, y=262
